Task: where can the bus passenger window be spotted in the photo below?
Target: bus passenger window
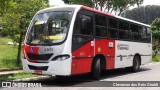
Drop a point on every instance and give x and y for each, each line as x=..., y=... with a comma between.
x=149, y=35
x=101, y=26
x=112, y=31
x=134, y=29
x=83, y=25
x=82, y=32
x=123, y=30
x=112, y=23
x=100, y=20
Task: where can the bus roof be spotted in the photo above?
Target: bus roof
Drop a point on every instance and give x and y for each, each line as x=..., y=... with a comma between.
x=94, y=10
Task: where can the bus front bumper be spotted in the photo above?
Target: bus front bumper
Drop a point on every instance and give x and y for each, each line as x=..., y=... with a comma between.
x=52, y=68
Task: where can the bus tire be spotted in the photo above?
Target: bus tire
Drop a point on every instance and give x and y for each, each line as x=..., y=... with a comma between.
x=96, y=69
x=136, y=64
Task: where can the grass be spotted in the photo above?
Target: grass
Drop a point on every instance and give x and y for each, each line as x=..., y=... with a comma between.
x=8, y=54
x=5, y=40
x=156, y=59
x=16, y=76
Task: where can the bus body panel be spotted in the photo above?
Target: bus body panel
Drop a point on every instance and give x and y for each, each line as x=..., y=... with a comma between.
x=82, y=59
x=106, y=47
x=125, y=52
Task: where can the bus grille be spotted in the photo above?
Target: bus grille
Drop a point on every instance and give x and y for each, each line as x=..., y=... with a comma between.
x=39, y=57
x=38, y=68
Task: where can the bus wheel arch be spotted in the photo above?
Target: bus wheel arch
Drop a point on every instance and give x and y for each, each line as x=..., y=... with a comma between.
x=102, y=60
x=138, y=55
x=136, y=62
x=98, y=64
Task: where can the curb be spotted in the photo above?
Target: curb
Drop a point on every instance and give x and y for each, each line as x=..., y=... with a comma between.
x=8, y=73
x=12, y=69
x=32, y=79
x=151, y=63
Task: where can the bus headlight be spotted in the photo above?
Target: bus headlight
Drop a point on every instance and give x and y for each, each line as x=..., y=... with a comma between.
x=61, y=57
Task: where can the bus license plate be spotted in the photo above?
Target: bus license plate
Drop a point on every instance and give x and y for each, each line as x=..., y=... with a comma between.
x=37, y=71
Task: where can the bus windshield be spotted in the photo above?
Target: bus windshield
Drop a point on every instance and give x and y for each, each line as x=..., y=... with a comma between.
x=49, y=28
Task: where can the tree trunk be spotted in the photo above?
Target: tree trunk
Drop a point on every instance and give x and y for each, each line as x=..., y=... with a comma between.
x=19, y=48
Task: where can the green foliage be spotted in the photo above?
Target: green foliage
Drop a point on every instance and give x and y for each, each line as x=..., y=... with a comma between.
x=16, y=38
x=155, y=26
x=156, y=58
x=109, y=5
x=145, y=14
x=17, y=14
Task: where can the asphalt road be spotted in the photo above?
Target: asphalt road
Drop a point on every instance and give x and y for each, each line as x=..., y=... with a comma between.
x=150, y=72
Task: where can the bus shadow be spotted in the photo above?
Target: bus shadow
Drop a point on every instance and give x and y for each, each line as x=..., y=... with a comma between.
x=120, y=72
x=82, y=80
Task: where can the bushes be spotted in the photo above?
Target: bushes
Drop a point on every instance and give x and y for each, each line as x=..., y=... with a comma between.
x=156, y=58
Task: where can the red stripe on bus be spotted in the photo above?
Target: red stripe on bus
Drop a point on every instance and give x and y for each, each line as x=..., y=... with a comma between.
x=34, y=50
x=86, y=52
x=94, y=10
x=27, y=49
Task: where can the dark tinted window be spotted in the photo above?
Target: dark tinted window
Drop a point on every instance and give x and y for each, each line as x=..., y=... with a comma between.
x=101, y=26
x=101, y=31
x=112, y=33
x=145, y=34
x=83, y=31
x=134, y=32
x=100, y=20
x=149, y=35
x=123, y=30
x=124, y=35
x=112, y=23
x=123, y=25
x=83, y=25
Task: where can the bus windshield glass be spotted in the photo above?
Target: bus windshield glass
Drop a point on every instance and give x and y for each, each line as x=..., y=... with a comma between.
x=49, y=28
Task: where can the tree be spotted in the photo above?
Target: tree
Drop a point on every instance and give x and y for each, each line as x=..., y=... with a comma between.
x=15, y=9
x=16, y=17
x=144, y=14
x=155, y=26
x=106, y=5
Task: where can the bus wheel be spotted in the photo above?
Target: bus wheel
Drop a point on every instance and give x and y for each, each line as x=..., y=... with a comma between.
x=96, y=69
x=136, y=64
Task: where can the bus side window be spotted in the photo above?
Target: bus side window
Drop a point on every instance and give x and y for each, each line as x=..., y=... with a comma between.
x=83, y=31
x=134, y=32
x=85, y=25
x=143, y=34
x=101, y=26
x=112, y=31
x=149, y=35
x=123, y=30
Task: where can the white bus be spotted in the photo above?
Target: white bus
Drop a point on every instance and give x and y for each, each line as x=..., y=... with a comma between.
x=76, y=39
